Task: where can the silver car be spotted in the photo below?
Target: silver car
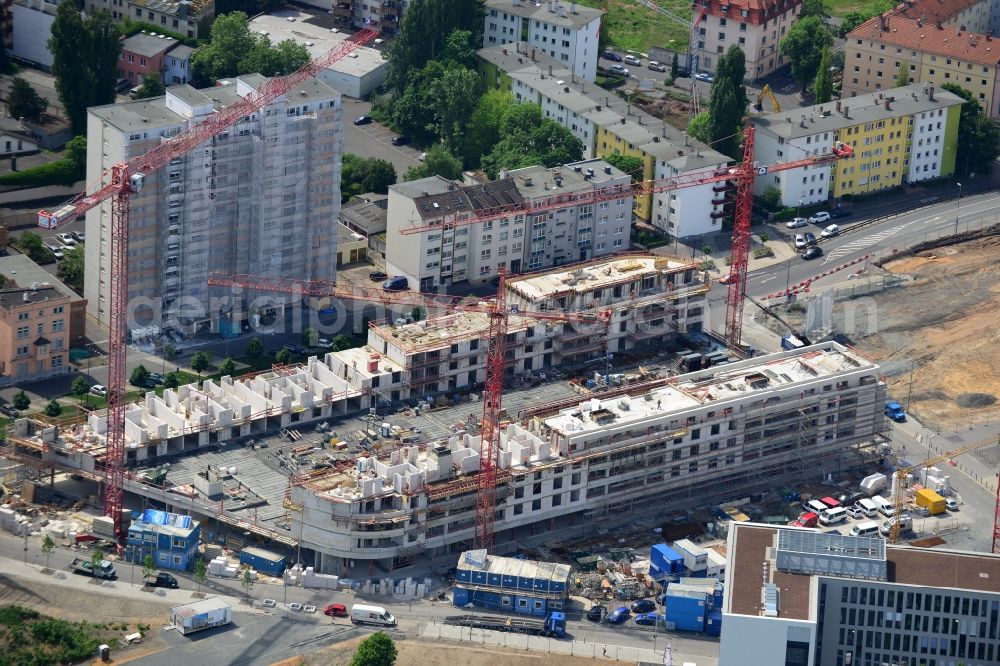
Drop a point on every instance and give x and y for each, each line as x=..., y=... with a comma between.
x=800, y=241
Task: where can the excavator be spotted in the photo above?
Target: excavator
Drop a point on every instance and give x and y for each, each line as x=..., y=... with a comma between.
x=766, y=92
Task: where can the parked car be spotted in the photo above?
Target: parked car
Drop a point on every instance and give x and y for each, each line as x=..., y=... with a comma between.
x=648, y=619
x=633, y=60
x=79, y=236
x=797, y=222
x=161, y=580
x=8, y=410
x=97, y=389
x=643, y=606
x=324, y=343
x=951, y=503
x=656, y=66
x=396, y=283
x=297, y=349
x=55, y=250
x=400, y=140
x=820, y=217
x=812, y=252
x=830, y=231
x=856, y=512
x=612, y=56
x=810, y=238
x=156, y=377
x=364, y=120
x=421, y=157
x=620, y=70
x=596, y=612
x=800, y=241
x=378, y=276
x=618, y=615
x=703, y=76
x=840, y=212
x=66, y=239
x=335, y=610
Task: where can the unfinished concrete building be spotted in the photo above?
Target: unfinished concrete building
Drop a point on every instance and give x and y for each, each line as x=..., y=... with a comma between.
x=697, y=438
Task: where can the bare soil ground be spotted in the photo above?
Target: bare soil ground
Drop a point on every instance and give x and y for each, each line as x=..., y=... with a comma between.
x=946, y=322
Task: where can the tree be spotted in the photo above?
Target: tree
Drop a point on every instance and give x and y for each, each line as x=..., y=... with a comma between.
x=426, y=34
x=342, y=342
x=771, y=198
x=105, y=48
x=139, y=377
x=76, y=153
x=870, y=9
x=255, y=348
x=80, y=387
x=171, y=381
x=69, y=46
x=376, y=650
x=698, y=126
x=21, y=401
x=231, y=42
x=48, y=545
x=455, y=96
x=528, y=139
x=283, y=356
x=978, y=137
x=675, y=67
x=359, y=175
x=227, y=367
x=483, y=126
x=71, y=268
x=438, y=162
x=199, y=573
x=24, y=102
x=53, y=409
x=169, y=351
x=823, y=84
x=148, y=566
x=247, y=582
x=903, y=75
x=814, y=8
x=269, y=60
x=413, y=110
x=458, y=49
x=727, y=103
x=199, y=362
x=416, y=313
x=633, y=166
x=31, y=244
x=152, y=86
x=309, y=337
x=803, y=46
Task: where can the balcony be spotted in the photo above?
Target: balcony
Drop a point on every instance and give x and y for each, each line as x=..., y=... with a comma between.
x=721, y=186
x=343, y=11
x=720, y=201
x=719, y=213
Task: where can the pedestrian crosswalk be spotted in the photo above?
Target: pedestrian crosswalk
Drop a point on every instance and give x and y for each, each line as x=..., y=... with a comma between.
x=867, y=241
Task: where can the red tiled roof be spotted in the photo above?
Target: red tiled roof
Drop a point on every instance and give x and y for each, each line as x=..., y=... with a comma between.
x=758, y=11
x=926, y=36
x=932, y=10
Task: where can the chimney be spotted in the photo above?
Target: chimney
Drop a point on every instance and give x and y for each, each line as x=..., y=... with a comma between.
x=550, y=6
x=607, y=170
x=532, y=55
x=505, y=51
x=558, y=181
x=989, y=36
x=838, y=106
x=572, y=8
x=802, y=122
x=562, y=11
x=887, y=107
x=930, y=93
x=847, y=111
x=550, y=70
x=939, y=26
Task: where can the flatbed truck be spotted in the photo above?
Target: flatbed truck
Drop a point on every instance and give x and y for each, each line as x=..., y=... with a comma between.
x=86, y=568
x=553, y=625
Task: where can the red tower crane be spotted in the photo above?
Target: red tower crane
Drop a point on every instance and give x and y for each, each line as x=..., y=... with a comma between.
x=118, y=184
x=743, y=173
x=497, y=310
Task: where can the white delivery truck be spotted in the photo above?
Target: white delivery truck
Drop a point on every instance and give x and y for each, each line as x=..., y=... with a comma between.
x=361, y=614
x=833, y=516
x=869, y=529
x=205, y=614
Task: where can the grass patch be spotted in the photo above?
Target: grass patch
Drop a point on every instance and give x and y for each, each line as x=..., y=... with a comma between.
x=632, y=26
x=843, y=7
x=28, y=637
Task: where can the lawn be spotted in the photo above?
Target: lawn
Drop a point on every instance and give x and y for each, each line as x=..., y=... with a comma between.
x=844, y=7
x=632, y=26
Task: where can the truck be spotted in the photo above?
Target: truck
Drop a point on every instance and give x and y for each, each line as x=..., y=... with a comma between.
x=554, y=624
x=894, y=411
x=201, y=615
x=362, y=614
x=930, y=500
x=84, y=567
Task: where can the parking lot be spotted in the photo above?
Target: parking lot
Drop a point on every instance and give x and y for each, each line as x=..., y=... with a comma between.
x=374, y=140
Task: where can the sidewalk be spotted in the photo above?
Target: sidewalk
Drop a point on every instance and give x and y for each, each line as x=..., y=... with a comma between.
x=920, y=438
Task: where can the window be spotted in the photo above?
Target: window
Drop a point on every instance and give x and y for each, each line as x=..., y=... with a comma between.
x=58, y=325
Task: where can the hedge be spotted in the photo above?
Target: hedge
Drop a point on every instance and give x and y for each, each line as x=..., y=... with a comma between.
x=60, y=172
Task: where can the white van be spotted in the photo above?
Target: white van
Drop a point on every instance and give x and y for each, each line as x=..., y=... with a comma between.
x=816, y=507
x=884, y=506
x=361, y=614
x=868, y=507
x=869, y=529
x=833, y=516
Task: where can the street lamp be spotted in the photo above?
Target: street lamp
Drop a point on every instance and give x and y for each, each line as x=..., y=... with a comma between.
x=798, y=211
x=958, y=206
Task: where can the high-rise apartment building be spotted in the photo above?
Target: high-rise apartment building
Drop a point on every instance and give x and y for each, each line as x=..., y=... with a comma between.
x=261, y=198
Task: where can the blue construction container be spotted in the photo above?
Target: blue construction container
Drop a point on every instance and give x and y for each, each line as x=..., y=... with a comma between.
x=494, y=578
x=664, y=560
x=686, y=607
x=461, y=596
x=478, y=577
x=264, y=561
x=560, y=578
x=713, y=625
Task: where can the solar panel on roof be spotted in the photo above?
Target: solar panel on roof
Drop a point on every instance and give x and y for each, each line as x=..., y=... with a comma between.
x=800, y=551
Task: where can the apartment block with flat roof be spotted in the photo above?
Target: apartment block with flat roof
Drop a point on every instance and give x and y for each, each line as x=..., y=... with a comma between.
x=801, y=597
x=191, y=18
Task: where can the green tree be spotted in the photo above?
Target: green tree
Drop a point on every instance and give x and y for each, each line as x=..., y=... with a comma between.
x=232, y=42
x=105, y=48
x=978, y=137
x=31, y=244
x=21, y=401
x=413, y=110
x=631, y=165
x=96, y=558
x=426, y=34
x=139, y=377
x=376, y=650
x=416, y=313
x=227, y=367
x=255, y=347
x=76, y=154
x=24, y=102
x=438, y=162
x=803, y=46
x=455, y=96
x=528, y=139
x=458, y=49
x=80, y=388
x=53, y=409
x=675, y=67
x=71, y=268
x=902, y=75
x=69, y=46
x=152, y=86
x=269, y=60
x=171, y=381
x=48, y=545
x=727, y=103
x=247, y=582
x=823, y=84
x=342, y=342
x=359, y=175
x=309, y=337
x=199, y=573
x=283, y=356
x=814, y=8
x=483, y=126
x=200, y=362
x=870, y=9
x=698, y=127
x=148, y=566
x=169, y=351
x=771, y=198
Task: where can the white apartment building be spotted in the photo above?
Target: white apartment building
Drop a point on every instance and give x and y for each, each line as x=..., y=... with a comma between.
x=191, y=18
x=695, y=210
x=755, y=26
x=260, y=198
x=31, y=21
x=444, y=253
x=178, y=65
x=567, y=34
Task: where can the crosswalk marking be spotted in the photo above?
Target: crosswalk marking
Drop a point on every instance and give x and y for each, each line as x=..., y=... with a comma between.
x=867, y=241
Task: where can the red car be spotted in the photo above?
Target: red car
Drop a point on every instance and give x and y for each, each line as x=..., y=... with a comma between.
x=335, y=610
